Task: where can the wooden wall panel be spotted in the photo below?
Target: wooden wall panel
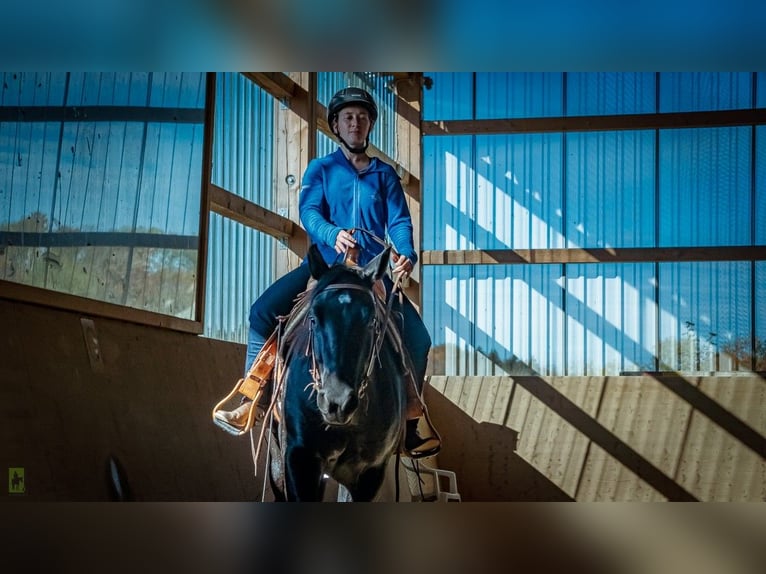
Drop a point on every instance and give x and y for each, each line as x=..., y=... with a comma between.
x=150, y=406
x=634, y=438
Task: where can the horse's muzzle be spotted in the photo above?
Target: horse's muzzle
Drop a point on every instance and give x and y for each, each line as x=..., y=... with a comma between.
x=337, y=401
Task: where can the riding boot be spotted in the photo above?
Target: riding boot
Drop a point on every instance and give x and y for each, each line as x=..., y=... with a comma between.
x=415, y=445
x=256, y=386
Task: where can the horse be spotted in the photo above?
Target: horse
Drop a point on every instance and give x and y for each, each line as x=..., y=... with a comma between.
x=343, y=397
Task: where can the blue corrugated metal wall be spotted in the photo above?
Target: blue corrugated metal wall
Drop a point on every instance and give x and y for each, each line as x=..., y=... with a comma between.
x=684, y=187
x=240, y=259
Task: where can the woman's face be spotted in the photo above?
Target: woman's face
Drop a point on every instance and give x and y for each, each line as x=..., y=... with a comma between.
x=353, y=124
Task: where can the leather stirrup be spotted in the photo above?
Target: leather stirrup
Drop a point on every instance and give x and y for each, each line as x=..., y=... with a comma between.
x=251, y=387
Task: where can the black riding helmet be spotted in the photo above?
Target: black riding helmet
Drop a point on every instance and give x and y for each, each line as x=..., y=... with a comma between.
x=352, y=97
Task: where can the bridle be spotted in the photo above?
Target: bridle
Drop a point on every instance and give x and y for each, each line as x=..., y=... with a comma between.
x=380, y=318
x=380, y=325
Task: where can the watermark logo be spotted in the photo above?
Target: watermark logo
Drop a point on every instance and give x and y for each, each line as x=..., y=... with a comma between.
x=16, y=482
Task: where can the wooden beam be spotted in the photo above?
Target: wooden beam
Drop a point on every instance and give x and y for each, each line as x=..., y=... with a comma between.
x=204, y=204
x=312, y=116
x=252, y=215
x=55, y=299
x=276, y=83
x=725, y=118
x=596, y=255
x=101, y=114
x=408, y=142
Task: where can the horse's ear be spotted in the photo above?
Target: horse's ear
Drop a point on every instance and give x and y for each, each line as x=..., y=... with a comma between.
x=317, y=264
x=376, y=268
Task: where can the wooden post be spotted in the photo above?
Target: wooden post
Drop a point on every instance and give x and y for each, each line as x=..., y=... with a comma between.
x=292, y=149
x=409, y=93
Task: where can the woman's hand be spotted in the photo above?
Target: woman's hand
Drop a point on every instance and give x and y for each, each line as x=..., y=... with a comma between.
x=402, y=265
x=344, y=241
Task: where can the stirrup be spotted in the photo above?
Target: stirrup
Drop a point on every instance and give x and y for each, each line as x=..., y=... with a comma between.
x=430, y=445
x=251, y=387
x=252, y=413
x=229, y=427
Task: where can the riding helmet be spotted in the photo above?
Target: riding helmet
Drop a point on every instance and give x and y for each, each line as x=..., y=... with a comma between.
x=351, y=97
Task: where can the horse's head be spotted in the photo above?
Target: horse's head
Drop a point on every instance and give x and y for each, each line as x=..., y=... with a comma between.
x=345, y=328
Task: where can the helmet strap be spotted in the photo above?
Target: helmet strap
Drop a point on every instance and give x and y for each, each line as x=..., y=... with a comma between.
x=361, y=149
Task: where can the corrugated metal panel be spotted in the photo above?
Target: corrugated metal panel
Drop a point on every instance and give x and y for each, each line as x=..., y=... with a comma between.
x=519, y=95
x=705, y=91
x=705, y=316
x=518, y=182
x=611, y=319
x=325, y=144
x=451, y=97
x=760, y=186
x=494, y=192
x=240, y=259
x=603, y=93
x=240, y=268
x=115, y=178
x=705, y=187
x=33, y=89
x=617, y=170
x=487, y=320
x=243, y=139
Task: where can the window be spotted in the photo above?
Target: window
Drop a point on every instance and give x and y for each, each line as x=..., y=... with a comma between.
x=101, y=186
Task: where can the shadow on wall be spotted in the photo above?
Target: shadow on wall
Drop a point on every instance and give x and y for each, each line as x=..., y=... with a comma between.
x=629, y=438
x=483, y=456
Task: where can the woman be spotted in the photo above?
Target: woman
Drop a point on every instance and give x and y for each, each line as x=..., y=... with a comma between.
x=345, y=190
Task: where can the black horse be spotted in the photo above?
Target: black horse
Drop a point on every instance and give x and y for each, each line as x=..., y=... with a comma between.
x=344, y=397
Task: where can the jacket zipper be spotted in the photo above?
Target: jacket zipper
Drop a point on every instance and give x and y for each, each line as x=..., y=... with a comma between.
x=356, y=201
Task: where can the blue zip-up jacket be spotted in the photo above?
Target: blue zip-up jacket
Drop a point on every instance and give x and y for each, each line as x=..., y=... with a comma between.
x=335, y=196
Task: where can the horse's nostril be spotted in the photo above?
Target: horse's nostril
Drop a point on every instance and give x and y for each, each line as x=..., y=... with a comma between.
x=337, y=401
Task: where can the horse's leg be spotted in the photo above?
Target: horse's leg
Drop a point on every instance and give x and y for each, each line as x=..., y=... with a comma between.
x=368, y=484
x=303, y=475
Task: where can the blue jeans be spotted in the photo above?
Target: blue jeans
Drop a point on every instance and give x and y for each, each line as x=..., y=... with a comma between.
x=279, y=298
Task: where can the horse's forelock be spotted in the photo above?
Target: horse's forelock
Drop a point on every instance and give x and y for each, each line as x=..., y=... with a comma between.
x=340, y=273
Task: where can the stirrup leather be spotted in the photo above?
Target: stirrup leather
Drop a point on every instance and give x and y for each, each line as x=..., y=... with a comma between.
x=251, y=387
x=417, y=410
